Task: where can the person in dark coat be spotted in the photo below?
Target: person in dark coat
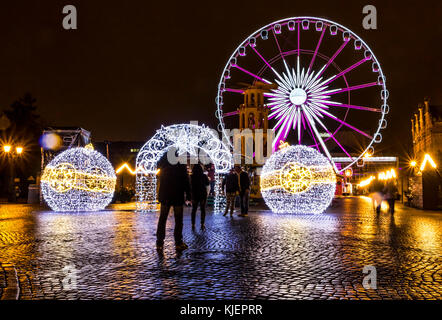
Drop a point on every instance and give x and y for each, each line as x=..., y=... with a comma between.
x=211, y=176
x=390, y=194
x=244, y=190
x=174, y=190
x=199, y=183
x=231, y=184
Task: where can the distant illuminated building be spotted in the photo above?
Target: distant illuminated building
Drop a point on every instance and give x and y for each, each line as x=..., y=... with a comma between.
x=425, y=183
x=426, y=130
x=253, y=114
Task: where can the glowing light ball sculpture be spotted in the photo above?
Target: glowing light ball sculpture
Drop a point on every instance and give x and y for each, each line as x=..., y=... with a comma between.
x=78, y=179
x=298, y=179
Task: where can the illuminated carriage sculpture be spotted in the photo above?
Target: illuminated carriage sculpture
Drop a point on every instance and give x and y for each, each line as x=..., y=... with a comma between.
x=326, y=78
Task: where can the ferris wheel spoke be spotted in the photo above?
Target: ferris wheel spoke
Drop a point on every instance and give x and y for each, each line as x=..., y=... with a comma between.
x=299, y=40
x=234, y=90
x=268, y=64
x=250, y=73
x=277, y=44
x=333, y=78
x=228, y=114
x=281, y=114
x=334, y=56
x=293, y=119
x=317, y=47
x=350, y=106
x=299, y=125
x=284, y=121
x=345, y=124
x=311, y=131
x=361, y=86
x=277, y=114
x=333, y=137
x=321, y=141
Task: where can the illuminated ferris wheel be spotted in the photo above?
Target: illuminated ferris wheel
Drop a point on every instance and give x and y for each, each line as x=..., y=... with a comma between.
x=326, y=86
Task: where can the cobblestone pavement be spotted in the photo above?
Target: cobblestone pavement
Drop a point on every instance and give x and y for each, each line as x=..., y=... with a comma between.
x=111, y=254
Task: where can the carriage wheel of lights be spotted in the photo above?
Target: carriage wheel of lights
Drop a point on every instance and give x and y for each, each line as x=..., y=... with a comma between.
x=322, y=74
x=298, y=179
x=78, y=179
x=200, y=142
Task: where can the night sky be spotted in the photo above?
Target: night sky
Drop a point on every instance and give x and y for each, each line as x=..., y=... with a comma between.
x=134, y=65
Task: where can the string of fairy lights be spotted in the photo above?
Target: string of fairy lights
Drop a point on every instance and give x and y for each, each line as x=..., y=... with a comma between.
x=199, y=142
x=298, y=179
x=78, y=179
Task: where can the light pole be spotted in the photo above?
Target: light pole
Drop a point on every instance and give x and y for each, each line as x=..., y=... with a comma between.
x=11, y=156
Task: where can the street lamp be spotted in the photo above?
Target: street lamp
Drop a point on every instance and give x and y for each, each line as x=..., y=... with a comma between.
x=11, y=156
x=413, y=163
x=7, y=148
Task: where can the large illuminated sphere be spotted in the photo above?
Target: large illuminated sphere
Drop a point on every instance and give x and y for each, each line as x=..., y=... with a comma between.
x=298, y=179
x=78, y=179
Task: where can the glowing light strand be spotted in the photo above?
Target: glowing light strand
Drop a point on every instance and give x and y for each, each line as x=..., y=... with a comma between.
x=298, y=179
x=78, y=179
x=187, y=139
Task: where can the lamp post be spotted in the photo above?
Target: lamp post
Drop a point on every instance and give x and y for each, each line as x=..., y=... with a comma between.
x=11, y=156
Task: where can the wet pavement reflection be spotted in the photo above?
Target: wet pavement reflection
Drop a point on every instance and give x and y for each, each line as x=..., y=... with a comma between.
x=111, y=254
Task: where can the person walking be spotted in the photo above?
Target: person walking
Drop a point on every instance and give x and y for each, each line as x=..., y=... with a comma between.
x=199, y=183
x=244, y=187
x=377, y=195
x=231, y=183
x=174, y=191
x=390, y=193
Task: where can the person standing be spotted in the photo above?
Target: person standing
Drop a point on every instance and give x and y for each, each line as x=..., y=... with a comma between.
x=390, y=193
x=199, y=183
x=211, y=175
x=174, y=191
x=231, y=183
x=244, y=187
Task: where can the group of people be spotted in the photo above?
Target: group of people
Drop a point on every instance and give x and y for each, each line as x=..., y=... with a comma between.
x=237, y=182
x=381, y=191
x=176, y=189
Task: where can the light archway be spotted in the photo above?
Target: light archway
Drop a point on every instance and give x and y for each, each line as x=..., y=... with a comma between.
x=187, y=139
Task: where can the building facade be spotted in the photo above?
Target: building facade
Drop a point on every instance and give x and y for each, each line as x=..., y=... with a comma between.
x=425, y=182
x=426, y=130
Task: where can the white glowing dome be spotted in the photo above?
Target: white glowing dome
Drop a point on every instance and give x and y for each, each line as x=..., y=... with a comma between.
x=78, y=179
x=298, y=179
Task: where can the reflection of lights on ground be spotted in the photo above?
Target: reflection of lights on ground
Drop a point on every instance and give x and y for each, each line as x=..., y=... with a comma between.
x=426, y=234
x=323, y=222
x=375, y=201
